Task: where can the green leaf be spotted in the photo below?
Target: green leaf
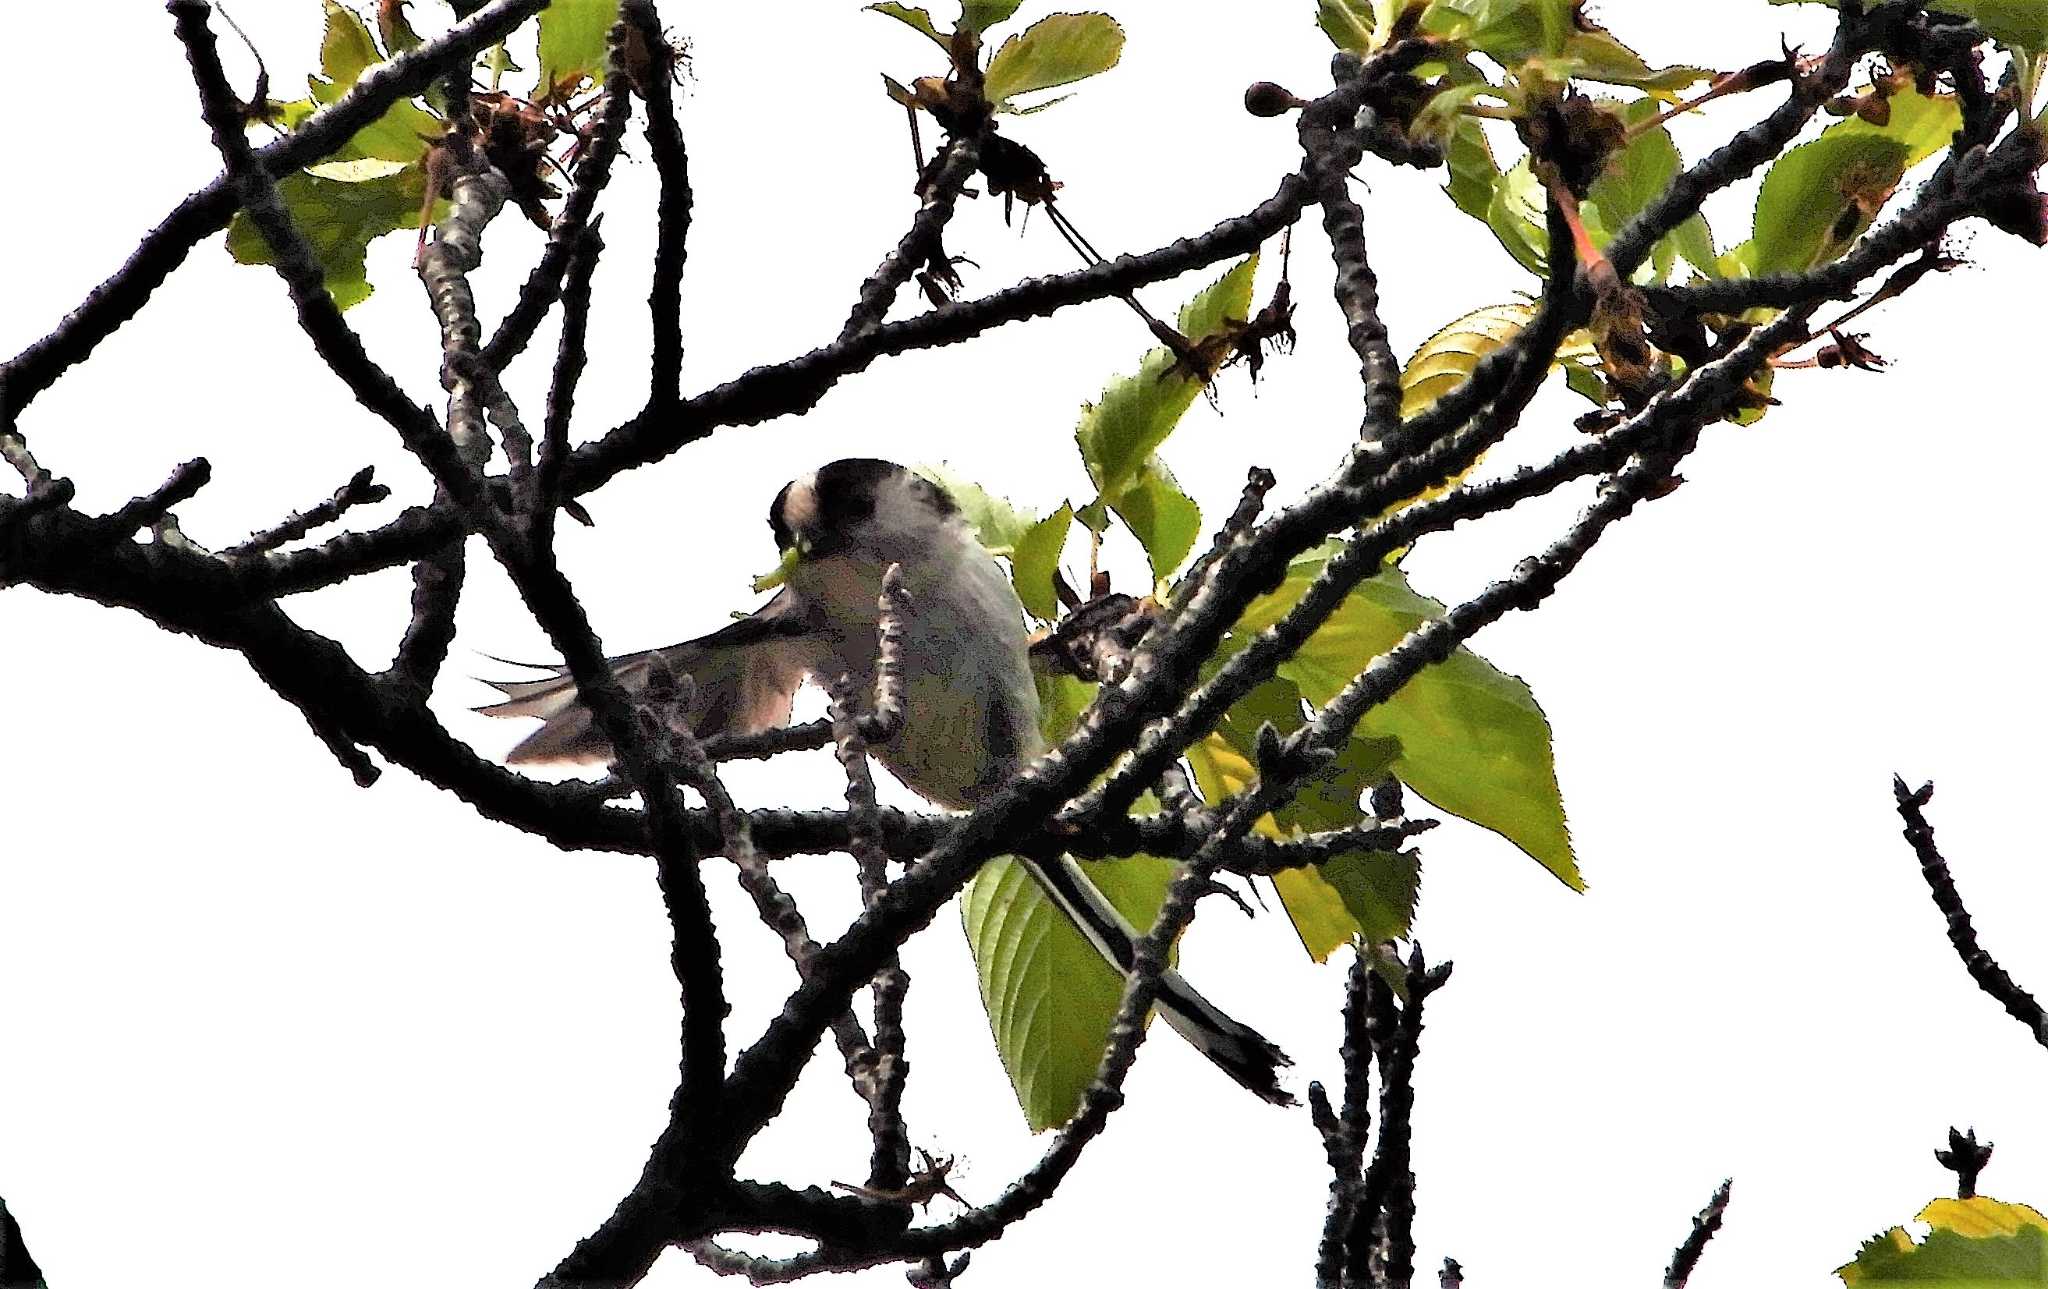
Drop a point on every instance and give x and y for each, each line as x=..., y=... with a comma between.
x=996, y=522
x=1442, y=362
x=1515, y=213
x=1473, y=740
x=1119, y=434
x=1695, y=241
x=1011, y=109
x=339, y=220
x=1595, y=55
x=2017, y=24
x=915, y=19
x=1036, y=558
x=1058, y=50
x=1375, y=888
x=1511, y=31
x=978, y=16
x=573, y=38
x=1473, y=172
x=1061, y=700
x=1634, y=178
x=346, y=49
x=1369, y=894
x=395, y=29
x=355, y=171
x=1049, y=995
x=497, y=60
x=1977, y=1243
x=1353, y=24
x=1818, y=198
x=1165, y=520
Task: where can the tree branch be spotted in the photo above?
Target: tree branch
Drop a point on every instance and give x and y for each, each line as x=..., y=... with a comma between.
x=117, y=299
x=1983, y=968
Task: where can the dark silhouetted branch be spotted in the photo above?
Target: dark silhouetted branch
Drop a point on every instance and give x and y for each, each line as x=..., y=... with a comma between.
x=1704, y=1225
x=672, y=216
x=544, y=285
x=113, y=302
x=18, y=1270
x=1983, y=968
x=956, y=165
x=358, y=491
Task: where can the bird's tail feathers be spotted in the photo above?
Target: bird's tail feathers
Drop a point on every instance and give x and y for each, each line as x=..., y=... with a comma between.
x=1234, y=1047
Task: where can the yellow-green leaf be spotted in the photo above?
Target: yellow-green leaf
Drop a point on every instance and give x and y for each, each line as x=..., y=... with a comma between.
x=396, y=28
x=403, y=132
x=1595, y=55
x=573, y=38
x=1119, y=434
x=339, y=220
x=1058, y=50
x=1511, y=31
x=1354, y=24
x=1820, y=197
x=1049, y=995
x=997, y=522
x=1035, y=560
x=1165, y=520
x=1362, y=894
x=346, y=49
x=979, y=15
x=916, y=19
x=1443, y=361
x=1515, y=213
x=1978, y=1243
x=1472, y=739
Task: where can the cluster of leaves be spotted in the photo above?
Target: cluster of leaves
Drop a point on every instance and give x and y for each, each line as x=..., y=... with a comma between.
x=1054, y=51
x=1521, y=63
x=1464, y=735
x=386, y=177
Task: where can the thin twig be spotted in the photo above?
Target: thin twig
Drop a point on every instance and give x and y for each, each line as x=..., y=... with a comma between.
x=1380, y=1244
x=1704, y=1226
x=358, y=491
x=778, y=912
x=108, y=306
x=565, y=234
x=920, y=243
x=570, y=356
x=889, y=1164
x=1983, y=968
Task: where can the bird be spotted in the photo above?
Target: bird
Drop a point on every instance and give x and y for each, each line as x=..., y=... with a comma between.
x=971, y=711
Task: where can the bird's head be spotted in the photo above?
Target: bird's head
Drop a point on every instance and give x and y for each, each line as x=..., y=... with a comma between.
x=860, y=508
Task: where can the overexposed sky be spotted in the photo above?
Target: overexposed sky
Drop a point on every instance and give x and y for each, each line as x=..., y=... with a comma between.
x=266, y=1028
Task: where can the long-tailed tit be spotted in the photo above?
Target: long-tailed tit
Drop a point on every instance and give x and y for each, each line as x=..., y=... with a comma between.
x=971, y=710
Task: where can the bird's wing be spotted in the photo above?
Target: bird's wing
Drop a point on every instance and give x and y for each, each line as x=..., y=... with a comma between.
x=744, y=677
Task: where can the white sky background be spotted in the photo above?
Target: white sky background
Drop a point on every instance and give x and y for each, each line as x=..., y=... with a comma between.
x=266, y=1028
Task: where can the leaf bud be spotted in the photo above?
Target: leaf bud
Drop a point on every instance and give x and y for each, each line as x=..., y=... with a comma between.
x=1264, y=98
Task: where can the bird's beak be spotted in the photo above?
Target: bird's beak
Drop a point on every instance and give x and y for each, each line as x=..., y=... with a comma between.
x=790, y=559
